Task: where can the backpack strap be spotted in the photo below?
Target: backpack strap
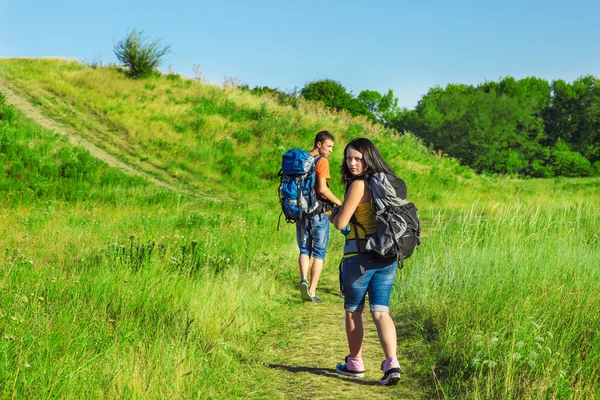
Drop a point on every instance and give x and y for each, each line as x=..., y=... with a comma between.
x=357, y=224
x=324, y=204
x=279, y=174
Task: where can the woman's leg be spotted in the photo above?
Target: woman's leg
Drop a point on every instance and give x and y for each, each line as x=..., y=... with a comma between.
x=355, y=288
x=354, y=333
x=380, y=289
x=387, y=332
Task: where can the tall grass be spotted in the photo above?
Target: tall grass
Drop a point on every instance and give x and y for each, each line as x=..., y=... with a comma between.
x=131, y=317
x=506, y=298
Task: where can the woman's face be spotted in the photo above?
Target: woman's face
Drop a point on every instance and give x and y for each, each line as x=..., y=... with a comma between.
x=354, y=161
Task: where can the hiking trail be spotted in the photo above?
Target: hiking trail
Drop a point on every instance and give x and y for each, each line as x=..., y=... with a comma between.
x=308, y=348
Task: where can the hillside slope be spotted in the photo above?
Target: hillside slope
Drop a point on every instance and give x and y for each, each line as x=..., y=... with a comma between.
x=201, y=137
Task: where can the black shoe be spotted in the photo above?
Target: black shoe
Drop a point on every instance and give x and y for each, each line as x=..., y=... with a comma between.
x=391, y=377
x=343, y=369
x=316, y=299
x=304, y=290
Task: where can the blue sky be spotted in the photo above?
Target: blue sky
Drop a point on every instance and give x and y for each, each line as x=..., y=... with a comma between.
x=408, y=47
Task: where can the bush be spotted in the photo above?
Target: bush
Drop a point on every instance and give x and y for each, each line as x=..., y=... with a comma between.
x=596, y=168
x=569, y=163
x=141, y=59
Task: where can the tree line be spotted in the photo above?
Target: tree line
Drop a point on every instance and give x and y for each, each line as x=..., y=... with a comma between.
x=528, y=127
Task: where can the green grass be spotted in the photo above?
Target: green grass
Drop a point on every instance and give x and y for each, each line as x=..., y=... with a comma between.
x=504, y=297
x=111, y=286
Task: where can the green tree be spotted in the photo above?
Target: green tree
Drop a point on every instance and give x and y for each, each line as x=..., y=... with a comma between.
x=574, y=116
x=334, y=95
x=495, y=127
x=380, y=108
x=140, y=58
x=328, y=91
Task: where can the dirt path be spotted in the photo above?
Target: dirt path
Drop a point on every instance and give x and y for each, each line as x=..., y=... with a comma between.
x=306, y=351
x=14, y=98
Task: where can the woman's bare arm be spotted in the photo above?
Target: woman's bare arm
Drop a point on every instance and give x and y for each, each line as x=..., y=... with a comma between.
x=355, y=194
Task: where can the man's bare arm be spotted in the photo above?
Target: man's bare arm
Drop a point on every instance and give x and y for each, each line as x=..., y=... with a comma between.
x=326, y=192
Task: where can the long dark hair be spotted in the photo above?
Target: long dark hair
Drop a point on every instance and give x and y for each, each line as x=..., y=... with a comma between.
x=371, y=158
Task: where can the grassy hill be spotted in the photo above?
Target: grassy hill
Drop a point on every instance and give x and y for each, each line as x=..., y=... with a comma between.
x=146, y=262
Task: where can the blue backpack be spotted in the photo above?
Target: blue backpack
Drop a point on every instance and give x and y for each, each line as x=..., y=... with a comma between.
x=297, y=185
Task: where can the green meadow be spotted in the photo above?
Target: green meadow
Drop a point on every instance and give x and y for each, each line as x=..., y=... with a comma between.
x=112, y=286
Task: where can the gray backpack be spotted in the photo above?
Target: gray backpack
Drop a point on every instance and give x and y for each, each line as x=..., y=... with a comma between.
x=398, y=226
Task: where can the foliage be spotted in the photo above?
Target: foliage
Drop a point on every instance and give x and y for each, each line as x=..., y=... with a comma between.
x=140, y=58
x=283, y=98
x=381, y=108
x=574, y=116
x=332, y=94
x=512, y=126
x=370, y=103
x=569, y=163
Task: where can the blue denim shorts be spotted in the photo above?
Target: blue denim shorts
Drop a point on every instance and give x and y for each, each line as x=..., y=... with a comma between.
x=376, y=277
x=312, y=235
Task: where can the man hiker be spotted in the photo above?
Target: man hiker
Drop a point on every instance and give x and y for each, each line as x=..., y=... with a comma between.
x=313, y=233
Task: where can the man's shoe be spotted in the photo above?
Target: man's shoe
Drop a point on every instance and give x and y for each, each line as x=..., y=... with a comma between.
x=391, y=377
x=304, y=291
x=343, y=370
x=316, y=299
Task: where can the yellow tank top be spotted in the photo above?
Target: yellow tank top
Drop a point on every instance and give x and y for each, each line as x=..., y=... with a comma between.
x=365, y=215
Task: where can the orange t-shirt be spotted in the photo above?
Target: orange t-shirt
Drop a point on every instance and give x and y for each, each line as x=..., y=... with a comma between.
x=322, y=171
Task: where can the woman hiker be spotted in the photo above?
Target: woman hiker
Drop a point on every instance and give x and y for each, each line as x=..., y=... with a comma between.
x=362, y=272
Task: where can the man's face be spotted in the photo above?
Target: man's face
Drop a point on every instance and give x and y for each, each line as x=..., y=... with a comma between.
x=325, y=148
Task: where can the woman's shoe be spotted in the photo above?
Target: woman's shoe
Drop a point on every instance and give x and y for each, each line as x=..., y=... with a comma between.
x=391, y=377
x=343, y=369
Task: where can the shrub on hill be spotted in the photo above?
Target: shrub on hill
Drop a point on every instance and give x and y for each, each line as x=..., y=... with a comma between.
x=140, y=58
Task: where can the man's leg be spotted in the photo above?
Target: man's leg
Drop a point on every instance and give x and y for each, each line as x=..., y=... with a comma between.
x=303, y=261
x=315, y=274
x=304, y=245
x=320, y=235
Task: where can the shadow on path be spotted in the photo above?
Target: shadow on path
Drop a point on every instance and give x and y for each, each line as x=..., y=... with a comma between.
x=326, y=372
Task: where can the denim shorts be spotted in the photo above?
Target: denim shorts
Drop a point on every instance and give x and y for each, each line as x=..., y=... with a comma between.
x=312, y=235
x=376, y=277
